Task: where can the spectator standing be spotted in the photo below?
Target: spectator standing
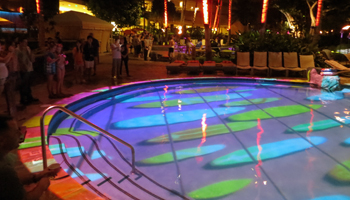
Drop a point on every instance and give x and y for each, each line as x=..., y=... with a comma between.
x=10, y=85
x=139, y=46
x=146, y=48
x=130, y=42
x=188, y=45
x=89, y=56
x=51, y=70
x=11, y=181
x=135, y=43
x=150, y=44
x=57, y=38
x=117, y=58
x=125, y=56
x=96, y=46
x=25, y=65
x=78, y=62
x=171, y=48
x=4, y=59
x=61, y=70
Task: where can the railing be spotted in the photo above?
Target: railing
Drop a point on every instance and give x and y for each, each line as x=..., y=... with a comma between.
x=43, y=143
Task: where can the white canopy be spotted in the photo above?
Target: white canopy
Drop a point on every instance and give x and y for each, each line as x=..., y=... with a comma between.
x=82, y=20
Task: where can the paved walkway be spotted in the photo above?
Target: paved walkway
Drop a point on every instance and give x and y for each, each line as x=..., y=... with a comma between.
x=140, y=70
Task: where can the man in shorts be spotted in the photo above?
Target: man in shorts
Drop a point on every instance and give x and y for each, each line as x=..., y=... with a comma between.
x=89, y=56
x=171, y=48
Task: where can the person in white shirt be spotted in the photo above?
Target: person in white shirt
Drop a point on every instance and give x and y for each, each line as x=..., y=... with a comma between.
x=146, y=48
x=117, y=58
x=3, y=68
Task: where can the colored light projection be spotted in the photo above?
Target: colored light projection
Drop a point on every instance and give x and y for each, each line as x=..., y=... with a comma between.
x=182, y=154
x=220, y=189
x=340, y=174
x=279, y=111
x=172, y=118
x=333, y=197
x=270, y=151
x=196, y=133
x=251, y=101
x=147, y=98
x=69, y=131
x=319, y=125
x=205, y=11
x=264, y=11
x=192, y=100
x=346, y=142
x=165, y=13
x=318, y=15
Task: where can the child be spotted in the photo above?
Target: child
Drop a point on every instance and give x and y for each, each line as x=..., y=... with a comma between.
x=61, y=71
x=79, y=62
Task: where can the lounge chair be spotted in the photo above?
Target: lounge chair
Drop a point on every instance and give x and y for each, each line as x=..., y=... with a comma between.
x=260, y=62
x=291, y=62
x=327, y=54
x=228, y=67
x=175, y=67
x=209, y=67
x=193, y=66
x=342, y=70
x=243, y=61
x=275, y=62
x=307, y=62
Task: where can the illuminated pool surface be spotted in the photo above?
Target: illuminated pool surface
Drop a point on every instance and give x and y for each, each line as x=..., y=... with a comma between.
x=207, y=139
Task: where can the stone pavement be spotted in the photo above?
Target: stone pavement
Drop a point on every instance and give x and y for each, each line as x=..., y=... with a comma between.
x=140, y=70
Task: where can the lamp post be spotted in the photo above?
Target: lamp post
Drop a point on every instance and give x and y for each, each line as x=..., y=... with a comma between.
x=207, y=30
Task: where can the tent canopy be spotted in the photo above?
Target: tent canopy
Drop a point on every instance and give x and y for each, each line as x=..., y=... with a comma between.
x=85, y=21
x=4, y=22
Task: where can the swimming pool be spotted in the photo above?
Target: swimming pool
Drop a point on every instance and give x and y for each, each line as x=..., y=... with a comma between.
x=209, y=139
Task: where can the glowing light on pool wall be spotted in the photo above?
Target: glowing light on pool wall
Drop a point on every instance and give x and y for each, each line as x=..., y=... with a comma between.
x=264, y=11
x=37, y=6
x=229, y=15
x=205, y=11
x=319, y=8
x=166, y=13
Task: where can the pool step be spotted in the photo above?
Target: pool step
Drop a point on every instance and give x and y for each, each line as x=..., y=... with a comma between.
x=137, y=185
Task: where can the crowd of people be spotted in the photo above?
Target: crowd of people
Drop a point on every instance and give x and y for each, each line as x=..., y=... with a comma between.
x=16, y=67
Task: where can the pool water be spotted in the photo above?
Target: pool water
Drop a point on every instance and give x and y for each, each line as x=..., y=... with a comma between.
x=206, y=139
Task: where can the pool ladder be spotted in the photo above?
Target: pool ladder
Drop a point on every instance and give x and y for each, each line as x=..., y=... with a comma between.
x=65, y=110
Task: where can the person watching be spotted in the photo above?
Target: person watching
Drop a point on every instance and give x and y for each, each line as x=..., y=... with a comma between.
x=12, y=182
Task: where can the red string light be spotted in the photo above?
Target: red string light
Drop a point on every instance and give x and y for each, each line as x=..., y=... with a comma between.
x=205, y=12
x=37, y=6
x=166, y=13
x=318, y=16
x=229, y=15
x=264, y=11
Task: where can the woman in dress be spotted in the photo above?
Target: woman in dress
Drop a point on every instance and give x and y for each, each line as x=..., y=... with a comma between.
x=78, y=62
x=61, y=70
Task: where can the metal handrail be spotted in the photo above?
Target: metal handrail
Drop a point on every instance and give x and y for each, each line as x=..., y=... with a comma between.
x=65, y=110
